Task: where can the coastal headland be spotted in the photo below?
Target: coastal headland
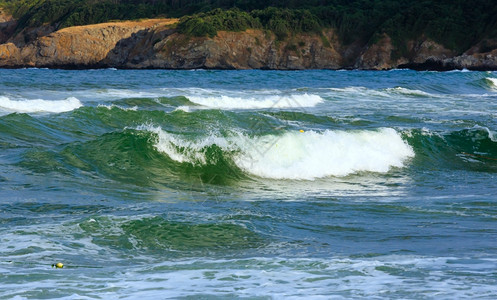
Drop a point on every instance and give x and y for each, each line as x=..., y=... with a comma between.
x=164, y=43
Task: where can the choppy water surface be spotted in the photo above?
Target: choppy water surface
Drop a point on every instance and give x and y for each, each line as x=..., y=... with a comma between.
x=265, y=184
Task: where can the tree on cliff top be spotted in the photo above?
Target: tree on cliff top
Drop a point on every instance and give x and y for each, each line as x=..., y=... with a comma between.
x=457, y=24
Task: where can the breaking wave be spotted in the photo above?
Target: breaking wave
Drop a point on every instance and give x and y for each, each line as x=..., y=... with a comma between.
x=408, y=92
x=228, y=102
x=295, y=155
x=492, y=81
x=39, y=105
x=381, y=93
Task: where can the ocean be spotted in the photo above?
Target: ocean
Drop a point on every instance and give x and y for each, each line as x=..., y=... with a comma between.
x=252, y=184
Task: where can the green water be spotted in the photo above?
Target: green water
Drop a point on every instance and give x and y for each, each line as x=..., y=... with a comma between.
x=250, y=184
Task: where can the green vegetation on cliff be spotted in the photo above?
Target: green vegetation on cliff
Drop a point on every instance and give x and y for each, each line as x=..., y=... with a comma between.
x=207, y=24
x=280, y=21
x=457, y=24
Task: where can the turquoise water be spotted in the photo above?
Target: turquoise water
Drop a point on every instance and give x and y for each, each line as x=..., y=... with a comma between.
x=256, y=184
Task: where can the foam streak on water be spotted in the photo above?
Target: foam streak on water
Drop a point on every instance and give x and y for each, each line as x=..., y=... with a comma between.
x=392, y=277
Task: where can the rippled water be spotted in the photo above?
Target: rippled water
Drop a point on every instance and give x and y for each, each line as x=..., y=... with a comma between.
x=259, y=184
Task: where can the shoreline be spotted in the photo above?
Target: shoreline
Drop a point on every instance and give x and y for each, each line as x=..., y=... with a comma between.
x=86, y=68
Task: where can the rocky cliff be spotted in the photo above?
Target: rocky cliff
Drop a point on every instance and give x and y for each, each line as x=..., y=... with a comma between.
x=156, y=44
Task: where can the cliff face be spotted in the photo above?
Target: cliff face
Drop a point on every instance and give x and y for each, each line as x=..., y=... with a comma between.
x=7, y=26
x=155, y=44
x=77, y=47
x=482, y=56
x=252, y=49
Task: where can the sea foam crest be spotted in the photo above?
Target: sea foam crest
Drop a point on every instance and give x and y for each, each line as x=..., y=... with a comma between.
x=183, y=108
x=311, y=155
x=493, y=82
x=297, y=155
x=112, y=106
x=277, y=101
x=408, y=92
x=125, y=93
x=492, y=135
x=381, y=93
x=183, y=150
x=39, y=105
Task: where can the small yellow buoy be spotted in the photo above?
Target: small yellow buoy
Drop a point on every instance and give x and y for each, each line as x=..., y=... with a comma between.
x=301, y=130
x=58, y=265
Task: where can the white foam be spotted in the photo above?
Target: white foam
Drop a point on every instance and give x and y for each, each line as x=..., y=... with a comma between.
x=182, y=150
x=335, y=278
x=408, y=92
x=124, y=93
x=183, y=108
x=493, y=82
x=491, y=134
x=382, y=93
x=112, y=106
x=311, y=155
x=360, y=91
x=399, y=277
x=39, y=105
x=296, y=155
x=31, y=249
x=350, y=89
x=278, y=101
x=206, y=92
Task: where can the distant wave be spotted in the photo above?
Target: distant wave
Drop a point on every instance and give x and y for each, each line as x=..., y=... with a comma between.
x=228, y=102
x=295, y=155
x=124, y=93
x=464, y=70
x=410, y=92
x=39, y=105
x=183, y=108
x=384, y=93
x=352, y=89
x=112, y=106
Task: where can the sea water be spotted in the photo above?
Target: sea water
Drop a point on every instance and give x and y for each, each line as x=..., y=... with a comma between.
x=256, y=184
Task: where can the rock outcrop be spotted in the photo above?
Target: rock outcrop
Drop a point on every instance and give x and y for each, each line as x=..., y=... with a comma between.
x=378, y=56
x=155, y=43
x=482, y=56
x=74, y=47
x=7, y=26
x=252, y=49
